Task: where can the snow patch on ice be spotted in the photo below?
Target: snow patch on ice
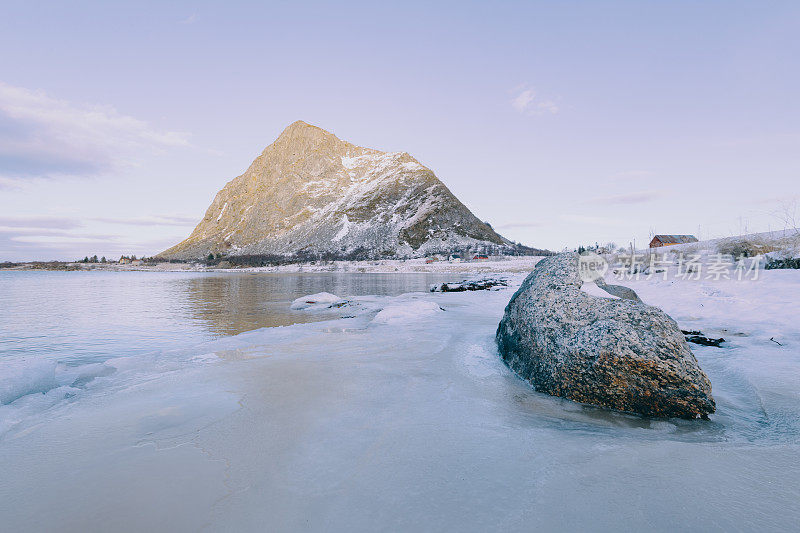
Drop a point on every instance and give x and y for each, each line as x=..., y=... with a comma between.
x=407, y=311
x=321, y=300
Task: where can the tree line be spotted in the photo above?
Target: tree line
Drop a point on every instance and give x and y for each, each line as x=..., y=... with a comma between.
x=123, y=258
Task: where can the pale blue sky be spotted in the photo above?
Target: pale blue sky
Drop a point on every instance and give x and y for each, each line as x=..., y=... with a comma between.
x=558, y=122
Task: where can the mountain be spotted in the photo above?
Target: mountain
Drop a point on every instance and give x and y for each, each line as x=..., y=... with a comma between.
x=310, y=192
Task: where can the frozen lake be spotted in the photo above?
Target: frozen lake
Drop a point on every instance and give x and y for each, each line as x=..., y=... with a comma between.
x=192, y=418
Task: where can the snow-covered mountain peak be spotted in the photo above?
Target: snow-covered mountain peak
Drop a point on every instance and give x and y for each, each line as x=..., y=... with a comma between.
x=310, y=192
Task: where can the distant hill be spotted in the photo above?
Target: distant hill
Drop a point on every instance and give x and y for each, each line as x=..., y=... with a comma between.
x=311, y=193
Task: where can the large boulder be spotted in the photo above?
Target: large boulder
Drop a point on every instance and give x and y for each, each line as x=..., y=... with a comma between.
x=616, y=353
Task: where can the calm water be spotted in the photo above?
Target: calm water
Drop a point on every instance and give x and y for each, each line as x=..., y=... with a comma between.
x=87, y=317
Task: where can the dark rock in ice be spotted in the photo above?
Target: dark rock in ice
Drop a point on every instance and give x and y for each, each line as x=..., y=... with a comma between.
x=697, y=337
x=483, y=284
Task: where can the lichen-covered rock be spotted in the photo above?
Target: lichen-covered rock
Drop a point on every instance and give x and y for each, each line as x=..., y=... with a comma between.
x=616, y=353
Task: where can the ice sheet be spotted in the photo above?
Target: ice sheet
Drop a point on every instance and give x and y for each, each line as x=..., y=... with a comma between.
x=416, y=424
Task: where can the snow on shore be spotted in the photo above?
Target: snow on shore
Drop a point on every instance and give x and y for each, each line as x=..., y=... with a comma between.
x=321, y=300
x=351, y=424
x=384, y=266
x=498, y=264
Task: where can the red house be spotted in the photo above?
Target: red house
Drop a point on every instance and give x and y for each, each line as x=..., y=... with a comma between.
x=669, y=240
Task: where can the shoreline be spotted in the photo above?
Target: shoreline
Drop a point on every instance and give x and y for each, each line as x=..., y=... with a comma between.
x=511, y=264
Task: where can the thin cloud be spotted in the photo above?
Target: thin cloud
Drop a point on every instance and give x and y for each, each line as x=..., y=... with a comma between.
x=591, y=220
x=41, y=136
x=191, y=19
x=151, y=221
x=782, y=200
x=27, y=243
x=28, y=237
x=527, y=102
x=8, y=184
x=59, y=240
x=628, y=175
x=523, y=100
x=11, y=231
x=58, y=223
x=513, y=225
x=628, y=198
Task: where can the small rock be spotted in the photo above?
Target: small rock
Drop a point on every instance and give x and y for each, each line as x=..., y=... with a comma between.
x=483, y=284
x=697, y=337
x=705, y=341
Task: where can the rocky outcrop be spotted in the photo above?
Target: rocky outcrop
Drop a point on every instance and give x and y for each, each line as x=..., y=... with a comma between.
x=310, y=192
x=616, y=353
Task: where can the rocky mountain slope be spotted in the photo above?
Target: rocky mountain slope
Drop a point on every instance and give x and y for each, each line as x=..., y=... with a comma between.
x=310, y=192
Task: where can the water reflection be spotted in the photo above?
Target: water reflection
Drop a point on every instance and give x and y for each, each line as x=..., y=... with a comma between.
x=228, y=304
x=89, y=317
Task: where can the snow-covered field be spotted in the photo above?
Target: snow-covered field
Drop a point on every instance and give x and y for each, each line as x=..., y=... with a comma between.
x=403, y=417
